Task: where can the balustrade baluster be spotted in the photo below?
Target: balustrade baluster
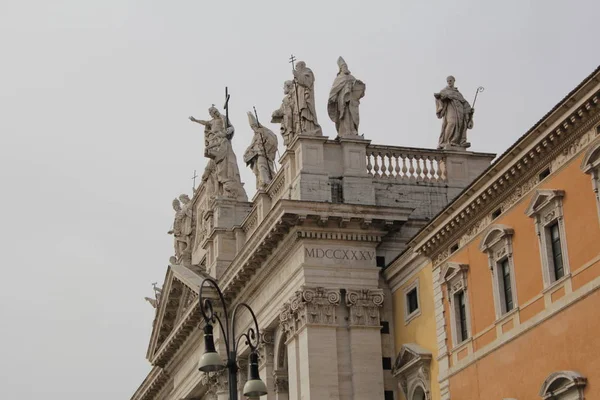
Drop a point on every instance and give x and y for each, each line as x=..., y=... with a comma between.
x=404, y=167
x=426, y=169
x=397, y=166
x=369, y=165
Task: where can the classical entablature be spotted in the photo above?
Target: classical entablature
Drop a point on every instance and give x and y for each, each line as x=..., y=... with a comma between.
x=558, y=137
x=316, y=220
x=412, y=369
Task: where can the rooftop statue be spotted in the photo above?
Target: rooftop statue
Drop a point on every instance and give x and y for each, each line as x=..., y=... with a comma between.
x=344, y=99
x=304, y=84
x=287, y=115
x=221, y=174
x=261, y=153
x=457, y=116
x=182, y=229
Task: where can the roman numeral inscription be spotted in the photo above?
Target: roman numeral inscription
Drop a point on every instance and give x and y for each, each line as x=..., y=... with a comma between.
x=340, y=254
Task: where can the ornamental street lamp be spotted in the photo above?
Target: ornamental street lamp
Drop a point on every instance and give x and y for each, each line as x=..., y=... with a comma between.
x=211, y=361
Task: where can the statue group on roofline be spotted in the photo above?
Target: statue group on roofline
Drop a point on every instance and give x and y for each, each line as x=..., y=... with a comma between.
x=297, y=115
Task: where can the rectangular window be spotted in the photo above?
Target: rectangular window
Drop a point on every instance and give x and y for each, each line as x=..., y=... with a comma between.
x=557, y=256
x=413, y=301
x=387, y=363
x=388, y=395
x=462, y=317
x=506, y=285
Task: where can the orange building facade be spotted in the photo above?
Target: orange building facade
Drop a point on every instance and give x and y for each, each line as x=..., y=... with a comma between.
x=515, y=262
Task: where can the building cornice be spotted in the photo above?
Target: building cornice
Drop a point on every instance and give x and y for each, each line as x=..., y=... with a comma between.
x=373, y=222
x=530, y=154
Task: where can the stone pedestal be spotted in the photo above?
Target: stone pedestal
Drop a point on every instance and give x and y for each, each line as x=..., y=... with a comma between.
x=357, y=183
x=311, y=180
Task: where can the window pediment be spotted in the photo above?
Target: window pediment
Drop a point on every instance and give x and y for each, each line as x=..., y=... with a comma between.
x=494, y=235
x=591, y=160
x=412, y=369
x=563, y=383
x=541, y=199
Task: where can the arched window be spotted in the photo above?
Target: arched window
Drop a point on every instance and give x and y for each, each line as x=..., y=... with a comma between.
x=563, y=385
x=419, y=394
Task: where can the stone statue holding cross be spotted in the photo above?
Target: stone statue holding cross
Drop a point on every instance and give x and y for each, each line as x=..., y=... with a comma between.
x=221, y=175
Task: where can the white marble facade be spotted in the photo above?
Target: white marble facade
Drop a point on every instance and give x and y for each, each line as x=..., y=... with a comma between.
x=306, y=255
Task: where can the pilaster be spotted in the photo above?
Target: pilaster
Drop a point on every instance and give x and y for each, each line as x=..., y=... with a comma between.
x=365, y=342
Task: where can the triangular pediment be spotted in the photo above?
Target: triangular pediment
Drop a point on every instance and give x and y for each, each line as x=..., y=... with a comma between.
x=452, y=269
x=541, y=198
x=180, y=289
x=410, y=355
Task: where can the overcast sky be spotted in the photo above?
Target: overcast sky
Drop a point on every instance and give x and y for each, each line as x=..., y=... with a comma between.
x=94, y=100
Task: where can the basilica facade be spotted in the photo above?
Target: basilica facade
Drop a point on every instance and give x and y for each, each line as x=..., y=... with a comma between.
x=352, y=254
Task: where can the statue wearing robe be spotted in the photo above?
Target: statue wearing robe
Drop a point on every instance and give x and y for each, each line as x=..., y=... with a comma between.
x=260, y=155
x=182, y=229
x=304, y=81
x=286, y=115
x=222, y=169
x=344, y=100
x=456, y=115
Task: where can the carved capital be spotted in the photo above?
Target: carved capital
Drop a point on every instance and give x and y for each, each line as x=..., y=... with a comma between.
x=309, y=306
x=364, y=306
x=265, y=348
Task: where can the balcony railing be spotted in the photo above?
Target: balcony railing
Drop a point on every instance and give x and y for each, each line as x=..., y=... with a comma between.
x=406, y=164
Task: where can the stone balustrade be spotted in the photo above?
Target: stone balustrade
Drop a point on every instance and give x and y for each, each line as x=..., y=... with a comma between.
x=406, y=164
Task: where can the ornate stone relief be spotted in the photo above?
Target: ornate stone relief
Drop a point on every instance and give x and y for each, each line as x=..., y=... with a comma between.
x=364, y=306
x=266, y=353
x=309, y=306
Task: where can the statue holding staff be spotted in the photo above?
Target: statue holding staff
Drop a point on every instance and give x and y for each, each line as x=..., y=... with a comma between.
x=456, y=115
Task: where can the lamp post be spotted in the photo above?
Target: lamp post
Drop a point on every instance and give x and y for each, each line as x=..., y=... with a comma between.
x=211, y=361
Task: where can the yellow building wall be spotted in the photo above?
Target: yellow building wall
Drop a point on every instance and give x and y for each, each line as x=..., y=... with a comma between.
x=422, y=329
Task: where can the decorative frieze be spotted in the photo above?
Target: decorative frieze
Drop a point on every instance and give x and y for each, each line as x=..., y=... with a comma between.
x=364, y=306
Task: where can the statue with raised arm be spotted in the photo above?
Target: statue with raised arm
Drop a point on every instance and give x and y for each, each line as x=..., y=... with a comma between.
x=260, y=155
x=286, y=115
x=304, y=84
x=344, y=99
x=222, y=167
x=456, y=115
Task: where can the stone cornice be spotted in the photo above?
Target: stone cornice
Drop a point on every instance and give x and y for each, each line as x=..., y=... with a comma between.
x=529, y=156
x=189, y=321
x=404, y=268
x=152, y=385
x=376, y=221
